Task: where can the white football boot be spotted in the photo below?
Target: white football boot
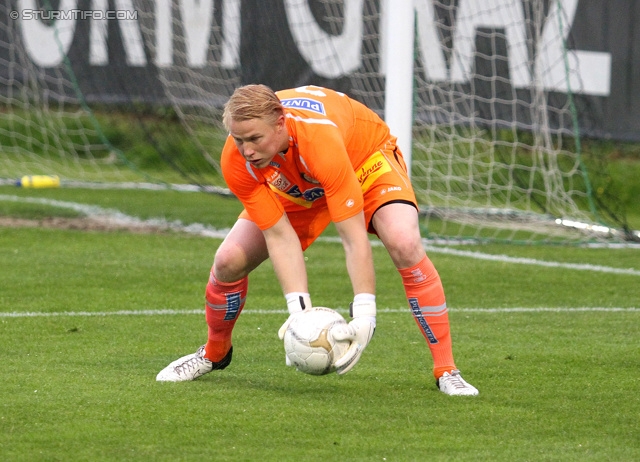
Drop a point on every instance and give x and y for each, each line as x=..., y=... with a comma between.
x=453, y=384
x=191, y=367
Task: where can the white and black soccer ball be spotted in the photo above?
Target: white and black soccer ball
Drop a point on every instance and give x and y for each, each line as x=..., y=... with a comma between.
x=307, y=344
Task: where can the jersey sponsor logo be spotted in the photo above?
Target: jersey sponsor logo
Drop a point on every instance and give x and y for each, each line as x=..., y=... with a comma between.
x=372, y=169
x=280, y=182
x=313, y=194
x=309, y=179
x=307, y=104
x=309, y=195
x=294, y=191
x=302, y=198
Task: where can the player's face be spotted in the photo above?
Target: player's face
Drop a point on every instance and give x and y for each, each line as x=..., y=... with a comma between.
x=258, y=140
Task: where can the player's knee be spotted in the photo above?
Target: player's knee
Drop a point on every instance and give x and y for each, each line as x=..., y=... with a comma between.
x=405, y=252
x=229, y=264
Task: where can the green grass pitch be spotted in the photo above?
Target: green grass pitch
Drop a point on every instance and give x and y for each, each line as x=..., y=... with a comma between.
x=88, y=318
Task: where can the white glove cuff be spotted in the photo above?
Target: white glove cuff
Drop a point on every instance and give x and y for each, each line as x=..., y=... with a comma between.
x=297, y=301
x=363, y=305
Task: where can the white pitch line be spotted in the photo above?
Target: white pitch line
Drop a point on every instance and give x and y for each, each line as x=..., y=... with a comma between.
x=169, y=312
x=531, y=261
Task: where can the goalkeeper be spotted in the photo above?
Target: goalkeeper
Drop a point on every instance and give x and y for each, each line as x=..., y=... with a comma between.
x=299, y=159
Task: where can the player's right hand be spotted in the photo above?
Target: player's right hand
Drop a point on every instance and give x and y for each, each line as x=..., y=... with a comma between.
x=296, y=303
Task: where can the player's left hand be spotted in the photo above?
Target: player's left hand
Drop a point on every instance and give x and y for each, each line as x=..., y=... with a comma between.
x=359, y=331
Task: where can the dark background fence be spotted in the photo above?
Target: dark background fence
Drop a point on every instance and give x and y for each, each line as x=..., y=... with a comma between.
x=268, y=54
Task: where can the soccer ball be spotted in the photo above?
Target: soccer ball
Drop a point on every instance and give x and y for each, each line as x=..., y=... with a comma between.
x=307, y=345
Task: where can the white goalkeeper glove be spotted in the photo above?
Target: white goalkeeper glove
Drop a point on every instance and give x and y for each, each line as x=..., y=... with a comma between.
x=359, y=331
x=296, y=303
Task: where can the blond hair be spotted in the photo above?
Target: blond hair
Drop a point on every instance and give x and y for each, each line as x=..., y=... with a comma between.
x=252, y=102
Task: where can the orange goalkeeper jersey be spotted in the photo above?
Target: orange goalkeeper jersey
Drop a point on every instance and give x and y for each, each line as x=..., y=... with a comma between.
x=333, y=141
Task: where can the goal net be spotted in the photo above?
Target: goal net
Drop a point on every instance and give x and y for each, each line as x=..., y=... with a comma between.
x=496, y=141
x=495, y=149
x=43, y=129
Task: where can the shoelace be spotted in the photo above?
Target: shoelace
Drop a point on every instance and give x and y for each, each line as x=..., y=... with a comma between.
x=455, y=380
x=189, y=364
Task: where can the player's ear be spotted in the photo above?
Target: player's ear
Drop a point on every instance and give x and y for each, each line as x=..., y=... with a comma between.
x=280, y=122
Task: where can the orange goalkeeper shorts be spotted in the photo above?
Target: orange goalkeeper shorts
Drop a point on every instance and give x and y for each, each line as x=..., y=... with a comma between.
x=384, y=180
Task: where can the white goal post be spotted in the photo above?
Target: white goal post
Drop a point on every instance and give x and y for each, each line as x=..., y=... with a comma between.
x=398, y=37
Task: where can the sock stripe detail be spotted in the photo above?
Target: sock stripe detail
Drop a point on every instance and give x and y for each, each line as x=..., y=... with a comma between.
x=232, y=305
x=434, y=310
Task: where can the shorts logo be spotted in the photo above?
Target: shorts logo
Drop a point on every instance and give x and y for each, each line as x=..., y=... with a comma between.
x=391, y=189
x=304, y=103
x=372, y=169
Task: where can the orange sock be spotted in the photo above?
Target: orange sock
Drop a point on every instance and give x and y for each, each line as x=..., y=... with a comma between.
x=429, y=308
x=224, y=302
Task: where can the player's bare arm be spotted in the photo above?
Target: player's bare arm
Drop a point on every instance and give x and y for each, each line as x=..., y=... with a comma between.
x=286, y=256
x=358, y=254
x=363, y=309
